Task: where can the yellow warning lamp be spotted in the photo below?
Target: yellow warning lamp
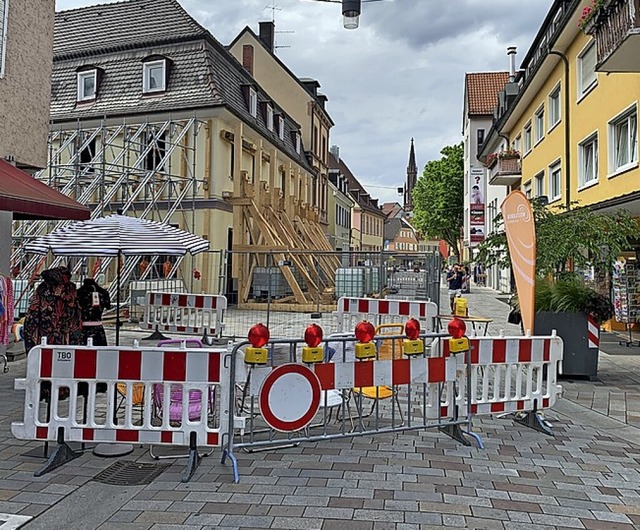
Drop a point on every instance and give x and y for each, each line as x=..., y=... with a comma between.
x=312, y=352
x=365, y=349
x=412, y=345
x=258, y=337
x=458, y=342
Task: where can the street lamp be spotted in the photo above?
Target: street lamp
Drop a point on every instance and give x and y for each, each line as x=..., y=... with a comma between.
x=351, y=10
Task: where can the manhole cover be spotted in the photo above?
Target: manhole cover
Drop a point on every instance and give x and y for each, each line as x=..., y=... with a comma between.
x=127, y=473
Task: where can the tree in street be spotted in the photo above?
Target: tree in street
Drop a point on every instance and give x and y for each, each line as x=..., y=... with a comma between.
x=574, y=239
x=438, y=198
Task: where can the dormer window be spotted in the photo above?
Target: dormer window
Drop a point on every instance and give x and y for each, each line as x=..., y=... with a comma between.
x=298, y=143
x=270, y=117
x=253, y=102
x=87, y=85
x=154, y=76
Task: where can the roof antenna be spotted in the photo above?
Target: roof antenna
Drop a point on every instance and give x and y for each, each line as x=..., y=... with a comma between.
x=273, y=7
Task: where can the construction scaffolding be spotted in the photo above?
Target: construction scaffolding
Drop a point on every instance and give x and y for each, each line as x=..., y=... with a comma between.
x=147, y=169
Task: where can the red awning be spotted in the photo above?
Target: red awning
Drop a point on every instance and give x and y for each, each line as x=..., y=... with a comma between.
x=28, y=198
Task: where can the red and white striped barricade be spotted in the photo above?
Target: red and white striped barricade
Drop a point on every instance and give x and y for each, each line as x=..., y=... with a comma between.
x=593, y=333
x=185, y=313
x=506, y=375
x=350, y=311
x=296, y=402
x=86, y=394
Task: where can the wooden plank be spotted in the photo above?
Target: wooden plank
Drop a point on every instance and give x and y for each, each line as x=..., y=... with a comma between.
x=291, y=308
x=260, y=248
x=272, y=239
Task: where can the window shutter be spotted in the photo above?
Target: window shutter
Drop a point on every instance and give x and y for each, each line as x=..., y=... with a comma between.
x=588, y=67
x=4, y=12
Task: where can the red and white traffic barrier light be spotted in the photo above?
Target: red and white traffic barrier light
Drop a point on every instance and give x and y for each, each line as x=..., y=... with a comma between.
x=258, y=337
x=412, y=345
x=313, y=352
x=365, y=348
x=458, y=341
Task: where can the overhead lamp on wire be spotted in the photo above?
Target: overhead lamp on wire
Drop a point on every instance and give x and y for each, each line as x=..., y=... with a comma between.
x=351, y=10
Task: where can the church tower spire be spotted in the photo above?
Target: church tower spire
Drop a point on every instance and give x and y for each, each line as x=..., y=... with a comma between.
x=412, y=177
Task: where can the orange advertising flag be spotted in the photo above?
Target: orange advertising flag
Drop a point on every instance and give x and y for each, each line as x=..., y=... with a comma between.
x=520, y=228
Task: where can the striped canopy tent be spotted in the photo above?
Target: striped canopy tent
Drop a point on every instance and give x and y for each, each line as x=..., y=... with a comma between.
x=117, y=235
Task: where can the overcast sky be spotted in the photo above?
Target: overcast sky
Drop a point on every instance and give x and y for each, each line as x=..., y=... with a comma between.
x=400, y=75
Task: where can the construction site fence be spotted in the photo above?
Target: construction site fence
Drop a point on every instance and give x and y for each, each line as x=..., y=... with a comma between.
x=244, y=397
x=266, y=292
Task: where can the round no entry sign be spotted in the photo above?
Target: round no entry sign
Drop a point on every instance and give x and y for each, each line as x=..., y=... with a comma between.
x=290, y=397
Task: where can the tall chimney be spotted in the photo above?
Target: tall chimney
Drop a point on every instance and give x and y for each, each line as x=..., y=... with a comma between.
x=511, y=53
x=335, y=151
x=267, y=34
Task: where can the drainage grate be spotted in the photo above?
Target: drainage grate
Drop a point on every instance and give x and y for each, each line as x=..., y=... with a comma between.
x=127, y=473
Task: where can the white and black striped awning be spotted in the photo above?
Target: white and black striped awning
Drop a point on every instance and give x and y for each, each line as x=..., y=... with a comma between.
x=118, y=234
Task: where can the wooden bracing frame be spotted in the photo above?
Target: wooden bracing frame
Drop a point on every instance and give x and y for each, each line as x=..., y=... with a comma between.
x=277, y=238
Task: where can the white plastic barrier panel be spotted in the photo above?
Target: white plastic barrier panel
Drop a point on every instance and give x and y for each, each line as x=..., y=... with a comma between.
x=109, y=394
x=507, y=374
x=185, y=313
x=350, y=311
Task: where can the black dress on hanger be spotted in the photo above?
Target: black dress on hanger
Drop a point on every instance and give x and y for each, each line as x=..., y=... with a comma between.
x=93, y=300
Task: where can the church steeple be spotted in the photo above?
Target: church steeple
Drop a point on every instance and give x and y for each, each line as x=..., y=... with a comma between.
x=412, y=177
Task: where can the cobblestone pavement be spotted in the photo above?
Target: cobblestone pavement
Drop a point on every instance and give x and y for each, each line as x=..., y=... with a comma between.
x=587, y=476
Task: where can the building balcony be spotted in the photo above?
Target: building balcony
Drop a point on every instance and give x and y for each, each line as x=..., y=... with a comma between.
x=505, y=171
x=616, y=29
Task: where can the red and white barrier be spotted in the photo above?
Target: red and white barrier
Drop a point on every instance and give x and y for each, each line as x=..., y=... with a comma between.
x=512, y=374
x=185, y=313
x=344, y=376
x=350, y=311
x=593, y=333
x=76, y=376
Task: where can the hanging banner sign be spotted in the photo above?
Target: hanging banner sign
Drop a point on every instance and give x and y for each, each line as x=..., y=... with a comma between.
x=520, y=229
x=476, y=206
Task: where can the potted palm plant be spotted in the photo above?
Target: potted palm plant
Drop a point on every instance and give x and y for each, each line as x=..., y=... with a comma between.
x=569, y=306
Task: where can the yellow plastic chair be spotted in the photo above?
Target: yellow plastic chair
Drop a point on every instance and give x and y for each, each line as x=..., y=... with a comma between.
x=388, y=349
x=137, y=396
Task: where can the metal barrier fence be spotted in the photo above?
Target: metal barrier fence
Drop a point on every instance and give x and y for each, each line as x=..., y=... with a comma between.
x=155, y=396
x=279, y=287
x=288, y=402
x=185, y=313
x=336, y=387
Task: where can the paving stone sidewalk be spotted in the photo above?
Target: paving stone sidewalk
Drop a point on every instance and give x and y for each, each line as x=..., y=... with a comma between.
x=587, y=476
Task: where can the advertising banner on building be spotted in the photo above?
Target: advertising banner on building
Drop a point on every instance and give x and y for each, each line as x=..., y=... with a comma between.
x=477, y=206
x=520, y=229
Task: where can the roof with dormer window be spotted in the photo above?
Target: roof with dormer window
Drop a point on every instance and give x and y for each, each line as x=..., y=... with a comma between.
x=118, y=37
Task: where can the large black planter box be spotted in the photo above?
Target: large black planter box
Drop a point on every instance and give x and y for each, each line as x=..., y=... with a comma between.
x=579, y=360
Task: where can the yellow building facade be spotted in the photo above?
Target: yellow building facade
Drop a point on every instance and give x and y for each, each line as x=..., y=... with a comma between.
x=575, y=128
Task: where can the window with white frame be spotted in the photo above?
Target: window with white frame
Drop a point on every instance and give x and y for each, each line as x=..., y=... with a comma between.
x=517, y=143
x=554, y=107
x=526, y=189
x=253, y=102
x=588, y=161
x=4, y=19
x=538, y=185
x=87, y=82
x=623, y=140
x=555, y=181
x=281, y=127
x=270, y=117
x=154, y=76
x=587, y=76
x=298, y=143
x=539, y=124
x=527, y=137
